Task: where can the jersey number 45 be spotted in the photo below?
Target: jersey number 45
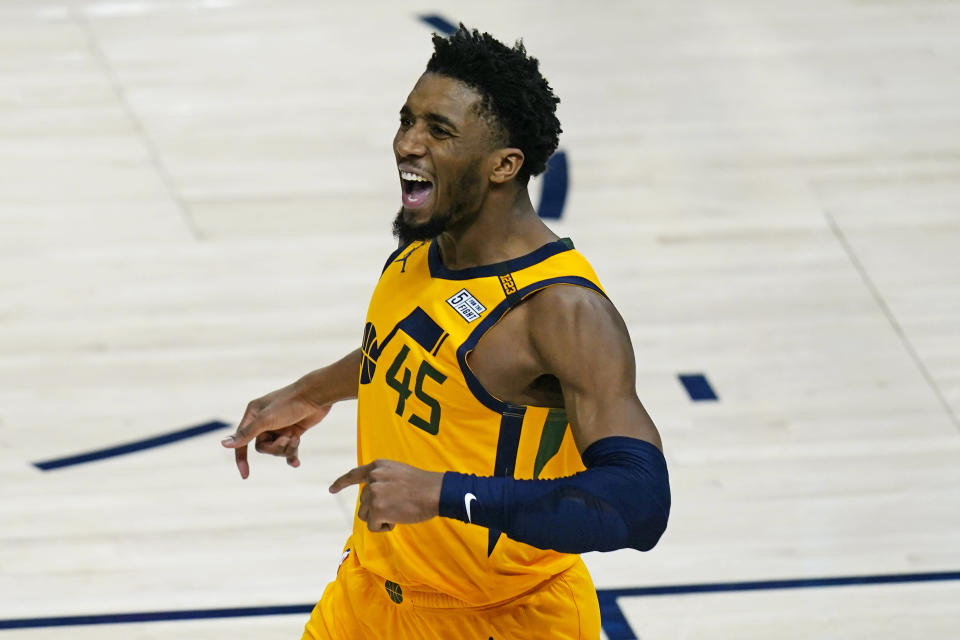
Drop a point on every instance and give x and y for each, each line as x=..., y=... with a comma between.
x=402, y=387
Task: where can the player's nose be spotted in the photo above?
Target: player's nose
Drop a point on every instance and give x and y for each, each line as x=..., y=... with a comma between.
x=409, y=143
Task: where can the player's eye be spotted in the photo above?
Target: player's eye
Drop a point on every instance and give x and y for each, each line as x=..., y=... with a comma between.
x=406, y=121
x=439, y=132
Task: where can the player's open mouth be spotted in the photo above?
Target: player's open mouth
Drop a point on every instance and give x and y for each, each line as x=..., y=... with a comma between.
x=416, y=189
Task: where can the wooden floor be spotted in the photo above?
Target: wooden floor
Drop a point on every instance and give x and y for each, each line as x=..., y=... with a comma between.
x=195, y=203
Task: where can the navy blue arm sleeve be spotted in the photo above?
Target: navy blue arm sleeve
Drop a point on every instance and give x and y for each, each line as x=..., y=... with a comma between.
x=621, y=500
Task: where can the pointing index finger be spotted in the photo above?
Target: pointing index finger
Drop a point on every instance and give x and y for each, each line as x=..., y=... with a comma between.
x=356, y=475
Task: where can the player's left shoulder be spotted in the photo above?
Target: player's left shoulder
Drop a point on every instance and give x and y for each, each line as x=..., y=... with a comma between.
x=562, y=304
x=578, y=336
x=565, y=313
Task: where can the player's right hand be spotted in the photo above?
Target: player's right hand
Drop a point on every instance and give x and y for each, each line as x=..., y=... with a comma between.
x=276, y=421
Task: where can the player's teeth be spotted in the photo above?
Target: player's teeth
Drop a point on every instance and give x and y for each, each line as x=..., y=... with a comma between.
x=406, y=175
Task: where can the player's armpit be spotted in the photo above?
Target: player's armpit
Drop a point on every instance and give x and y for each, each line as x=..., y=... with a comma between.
x=621, y=500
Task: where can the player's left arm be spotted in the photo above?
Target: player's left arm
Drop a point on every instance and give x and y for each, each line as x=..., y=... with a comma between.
x=622, y=499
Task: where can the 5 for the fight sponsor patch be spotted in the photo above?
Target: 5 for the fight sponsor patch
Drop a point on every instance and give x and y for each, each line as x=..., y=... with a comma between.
x=466, y=305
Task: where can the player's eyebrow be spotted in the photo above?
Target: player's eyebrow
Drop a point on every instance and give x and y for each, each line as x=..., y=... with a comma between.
x=432, y=117
x=436, y=117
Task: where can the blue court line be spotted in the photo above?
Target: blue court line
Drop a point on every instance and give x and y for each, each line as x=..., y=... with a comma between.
x=801, y=583
x=698, y=387
x=131, y=447
x=155, y=616
x=614, y=623
x=556, y=178
x=439, y=23
x=616, y=627
x=553, y=195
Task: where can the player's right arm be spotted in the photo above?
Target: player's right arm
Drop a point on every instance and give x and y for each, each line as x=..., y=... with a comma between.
x=278, y=419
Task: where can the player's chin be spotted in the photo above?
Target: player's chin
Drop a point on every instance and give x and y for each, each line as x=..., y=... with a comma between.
x=419, y=216
x=419, y=224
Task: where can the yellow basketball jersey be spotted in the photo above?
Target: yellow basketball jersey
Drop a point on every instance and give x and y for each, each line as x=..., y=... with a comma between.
x=419, y=403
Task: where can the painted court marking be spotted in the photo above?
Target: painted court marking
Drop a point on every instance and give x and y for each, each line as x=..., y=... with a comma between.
x=614, y=623
x=616, y=627
x=131, y=447
x=439, y=23
x=698, y=387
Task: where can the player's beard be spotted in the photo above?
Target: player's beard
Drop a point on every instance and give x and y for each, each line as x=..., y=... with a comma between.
x=407, y=233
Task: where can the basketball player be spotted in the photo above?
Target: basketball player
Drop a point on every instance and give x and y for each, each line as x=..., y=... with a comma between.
x=499, y=430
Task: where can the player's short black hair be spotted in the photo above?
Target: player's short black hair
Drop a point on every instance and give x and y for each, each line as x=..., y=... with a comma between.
x=515, y=94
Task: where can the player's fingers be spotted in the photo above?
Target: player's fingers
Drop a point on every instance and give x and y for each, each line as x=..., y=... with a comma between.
x=279, y=414
x=291, y=451
x=378, y=526
x=278, y=446
x=287, y=445
x=369, y=513
x=240, y=453
x=268, y=443
x=356, y=475
x=270, y=419
x=363, y=510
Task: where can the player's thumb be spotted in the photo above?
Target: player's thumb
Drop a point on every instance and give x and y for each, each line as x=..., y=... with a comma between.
x=247, y=432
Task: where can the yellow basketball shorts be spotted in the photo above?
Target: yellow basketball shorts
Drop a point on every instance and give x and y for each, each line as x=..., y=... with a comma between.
x=360, y=605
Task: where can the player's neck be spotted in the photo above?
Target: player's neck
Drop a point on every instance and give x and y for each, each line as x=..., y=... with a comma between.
x=499, y=232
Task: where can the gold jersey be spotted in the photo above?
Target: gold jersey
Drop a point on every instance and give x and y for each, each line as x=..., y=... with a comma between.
x=419, y=403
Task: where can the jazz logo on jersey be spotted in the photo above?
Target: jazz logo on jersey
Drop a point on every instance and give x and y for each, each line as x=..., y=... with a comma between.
x=466, y=305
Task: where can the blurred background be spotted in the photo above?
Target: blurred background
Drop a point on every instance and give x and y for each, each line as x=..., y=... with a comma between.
x=195, y=204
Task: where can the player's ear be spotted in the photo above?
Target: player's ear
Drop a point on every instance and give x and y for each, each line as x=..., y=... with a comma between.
x=506, y=164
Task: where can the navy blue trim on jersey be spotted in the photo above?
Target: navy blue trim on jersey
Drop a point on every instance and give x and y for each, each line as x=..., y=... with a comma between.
x=437, y=270
x=422, y=328
x=436, y=349
x=494, y=316
x=508, y=445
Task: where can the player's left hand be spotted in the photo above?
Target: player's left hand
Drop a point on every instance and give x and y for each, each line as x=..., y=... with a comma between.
x=393, y=493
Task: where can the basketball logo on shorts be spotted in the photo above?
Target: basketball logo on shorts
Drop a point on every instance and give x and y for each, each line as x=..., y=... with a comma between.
x=394, y=591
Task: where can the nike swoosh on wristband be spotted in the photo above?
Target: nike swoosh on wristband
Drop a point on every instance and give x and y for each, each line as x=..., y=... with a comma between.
x=466, y=500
